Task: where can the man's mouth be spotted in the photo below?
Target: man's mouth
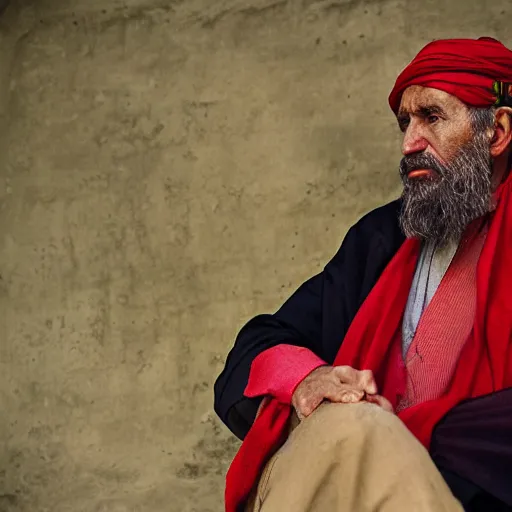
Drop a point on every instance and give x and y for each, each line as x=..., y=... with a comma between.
x=421, y=174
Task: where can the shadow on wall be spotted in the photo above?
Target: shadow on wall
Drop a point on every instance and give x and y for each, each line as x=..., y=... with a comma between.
x=3, y=5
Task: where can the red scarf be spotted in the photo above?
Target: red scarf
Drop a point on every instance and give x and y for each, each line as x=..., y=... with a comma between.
x=485, y=363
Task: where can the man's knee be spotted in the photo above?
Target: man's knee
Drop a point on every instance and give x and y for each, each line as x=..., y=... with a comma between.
x=363, y=415
x=332, y=423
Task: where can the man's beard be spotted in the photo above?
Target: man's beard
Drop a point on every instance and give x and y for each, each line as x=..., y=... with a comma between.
x=440, y=207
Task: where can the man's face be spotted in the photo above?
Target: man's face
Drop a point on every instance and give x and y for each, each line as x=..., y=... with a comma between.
x=446, y=168
x=433, y=122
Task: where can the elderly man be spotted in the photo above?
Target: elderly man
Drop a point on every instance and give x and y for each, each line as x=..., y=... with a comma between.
x=385, y=382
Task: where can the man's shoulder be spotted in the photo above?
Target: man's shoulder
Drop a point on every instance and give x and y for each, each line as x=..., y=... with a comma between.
x=373, y=240
x=383, y=220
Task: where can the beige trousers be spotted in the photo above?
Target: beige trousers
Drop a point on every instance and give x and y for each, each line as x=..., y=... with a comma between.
x=352, y=458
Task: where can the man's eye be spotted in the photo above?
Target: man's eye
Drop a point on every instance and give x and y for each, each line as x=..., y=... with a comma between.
x=404, y=124
x=432, y=119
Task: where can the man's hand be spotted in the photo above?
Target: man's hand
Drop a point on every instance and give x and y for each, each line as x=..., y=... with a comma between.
x=339, y=384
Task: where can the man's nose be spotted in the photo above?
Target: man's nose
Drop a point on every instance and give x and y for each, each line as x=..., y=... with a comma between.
x=414, y=141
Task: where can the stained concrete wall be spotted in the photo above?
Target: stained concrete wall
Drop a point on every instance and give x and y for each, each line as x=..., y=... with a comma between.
x=167, y=170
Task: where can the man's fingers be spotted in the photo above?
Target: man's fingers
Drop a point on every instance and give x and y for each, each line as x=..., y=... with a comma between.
x=346, y=374
x=306, y=405
x=340, y=384
x=345, y=396
x=366, y=382
x=363, y=380
x=351, y=397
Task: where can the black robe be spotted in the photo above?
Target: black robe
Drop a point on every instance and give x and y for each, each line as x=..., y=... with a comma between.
x=317, y=316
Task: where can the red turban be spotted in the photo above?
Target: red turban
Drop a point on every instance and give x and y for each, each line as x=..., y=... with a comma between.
x=477, y=71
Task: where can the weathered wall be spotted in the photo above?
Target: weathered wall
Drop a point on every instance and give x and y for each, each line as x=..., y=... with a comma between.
x=168, y=169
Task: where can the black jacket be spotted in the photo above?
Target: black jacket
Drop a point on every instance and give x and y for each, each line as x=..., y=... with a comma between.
x=317, y=316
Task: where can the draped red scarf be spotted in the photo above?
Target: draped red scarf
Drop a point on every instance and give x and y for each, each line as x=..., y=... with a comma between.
x=371, y=343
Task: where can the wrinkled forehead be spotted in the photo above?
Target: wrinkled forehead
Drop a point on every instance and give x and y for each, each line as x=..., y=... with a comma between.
x=417, y=98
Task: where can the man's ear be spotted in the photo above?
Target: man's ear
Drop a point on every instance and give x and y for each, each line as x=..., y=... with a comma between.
x=502, y=131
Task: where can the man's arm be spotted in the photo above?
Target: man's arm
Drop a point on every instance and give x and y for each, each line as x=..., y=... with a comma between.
x=260, y=334
x=315, y=317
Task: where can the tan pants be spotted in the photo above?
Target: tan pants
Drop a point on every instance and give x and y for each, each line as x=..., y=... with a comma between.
x=352, y=458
